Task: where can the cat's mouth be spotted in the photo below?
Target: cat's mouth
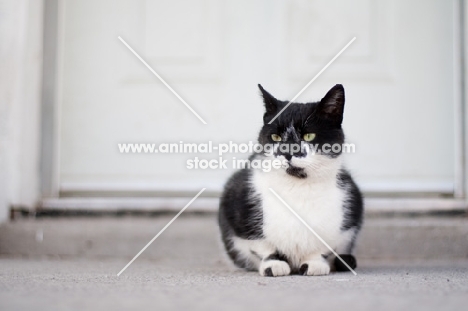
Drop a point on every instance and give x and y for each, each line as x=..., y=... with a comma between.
x=296, y=171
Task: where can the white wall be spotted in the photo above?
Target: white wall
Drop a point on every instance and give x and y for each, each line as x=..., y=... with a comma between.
x=20, y=96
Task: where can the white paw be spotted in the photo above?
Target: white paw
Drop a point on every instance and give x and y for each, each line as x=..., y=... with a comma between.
x=315, y=267
x=274, y=268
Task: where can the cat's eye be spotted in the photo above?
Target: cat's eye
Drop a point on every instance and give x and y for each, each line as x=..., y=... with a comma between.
x=276, y=137
x=309, y=136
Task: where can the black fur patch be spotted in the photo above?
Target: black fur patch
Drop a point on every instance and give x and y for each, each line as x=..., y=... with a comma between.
x=350, y=261
x=240, y=209
x=296, y=172
x=303, y=269
x=268, y=272
x=353, y=206
x=277, y=256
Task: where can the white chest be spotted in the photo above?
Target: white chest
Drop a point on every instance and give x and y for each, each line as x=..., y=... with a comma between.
x=319, y=203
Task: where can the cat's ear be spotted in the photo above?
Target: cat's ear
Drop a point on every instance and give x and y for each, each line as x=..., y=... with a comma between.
x=332, y=105
x=271, y=103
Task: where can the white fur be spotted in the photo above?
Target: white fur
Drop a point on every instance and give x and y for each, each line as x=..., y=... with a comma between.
x=318, y=266
x=317, y=199
x=278, y=267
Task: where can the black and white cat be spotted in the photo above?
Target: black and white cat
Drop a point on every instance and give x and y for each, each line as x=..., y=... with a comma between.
x=258, y=231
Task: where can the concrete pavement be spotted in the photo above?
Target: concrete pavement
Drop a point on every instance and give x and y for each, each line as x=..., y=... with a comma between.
x=67, y=284
x=72, y=264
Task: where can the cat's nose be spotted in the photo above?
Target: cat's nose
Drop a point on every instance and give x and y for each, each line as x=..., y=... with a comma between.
x=288, y=156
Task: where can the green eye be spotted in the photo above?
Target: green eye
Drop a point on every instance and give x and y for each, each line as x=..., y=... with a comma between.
x=276, y=137
x=309, y=136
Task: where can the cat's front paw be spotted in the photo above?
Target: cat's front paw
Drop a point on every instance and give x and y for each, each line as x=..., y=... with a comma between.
x=274, y=268
x=315, y=267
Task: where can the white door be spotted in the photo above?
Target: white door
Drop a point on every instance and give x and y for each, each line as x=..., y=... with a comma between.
x=398, y=76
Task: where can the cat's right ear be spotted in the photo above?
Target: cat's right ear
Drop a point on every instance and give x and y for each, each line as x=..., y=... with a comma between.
x=271, y=103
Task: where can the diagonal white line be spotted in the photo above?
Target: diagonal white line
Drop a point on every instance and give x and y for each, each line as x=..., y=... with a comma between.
x=161, y=79
x=160, y=232
x=313, y=79
x=313, y=231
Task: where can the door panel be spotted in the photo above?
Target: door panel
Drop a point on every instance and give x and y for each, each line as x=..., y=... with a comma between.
x=398, y=77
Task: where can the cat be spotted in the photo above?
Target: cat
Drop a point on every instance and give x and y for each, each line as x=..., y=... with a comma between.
x=257, y=229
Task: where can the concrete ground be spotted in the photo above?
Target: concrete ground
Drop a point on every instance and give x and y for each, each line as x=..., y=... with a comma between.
x=72, y=264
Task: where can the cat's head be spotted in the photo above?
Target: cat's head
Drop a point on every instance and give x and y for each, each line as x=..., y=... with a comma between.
x=313, y=127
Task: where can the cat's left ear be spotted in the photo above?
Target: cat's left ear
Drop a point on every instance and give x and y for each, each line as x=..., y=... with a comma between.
x=332, y=105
